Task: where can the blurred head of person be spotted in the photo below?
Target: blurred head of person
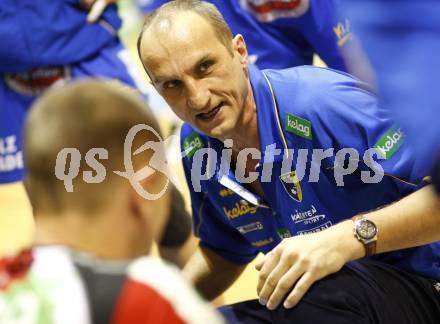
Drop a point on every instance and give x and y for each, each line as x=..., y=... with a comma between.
x=105, y=217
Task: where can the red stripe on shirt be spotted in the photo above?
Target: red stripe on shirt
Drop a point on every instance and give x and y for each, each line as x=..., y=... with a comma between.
x=139, y=303
x=274, y=5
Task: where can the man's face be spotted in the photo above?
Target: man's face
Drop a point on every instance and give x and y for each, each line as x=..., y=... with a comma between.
x=200, y=79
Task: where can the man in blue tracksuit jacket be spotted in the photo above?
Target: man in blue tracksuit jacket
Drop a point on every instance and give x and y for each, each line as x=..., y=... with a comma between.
x=356, y=192
x=344, y=116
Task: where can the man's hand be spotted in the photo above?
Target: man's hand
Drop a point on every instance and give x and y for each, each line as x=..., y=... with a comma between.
x=298, y=262
x=95, y=8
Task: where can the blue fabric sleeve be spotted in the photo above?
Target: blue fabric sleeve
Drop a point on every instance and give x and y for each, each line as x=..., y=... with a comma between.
x=344, y=113
x=38, y=33
x=350, y=116
x=327, y=34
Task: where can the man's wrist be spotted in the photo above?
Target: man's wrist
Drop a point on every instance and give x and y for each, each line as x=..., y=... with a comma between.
x=365, y=230
x=353, y=249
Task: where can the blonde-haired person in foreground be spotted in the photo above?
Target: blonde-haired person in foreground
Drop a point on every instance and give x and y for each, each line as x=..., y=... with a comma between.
x=90, y=261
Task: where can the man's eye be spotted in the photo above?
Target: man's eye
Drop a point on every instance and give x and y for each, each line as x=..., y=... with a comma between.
x=171, y=84
x=204, y=67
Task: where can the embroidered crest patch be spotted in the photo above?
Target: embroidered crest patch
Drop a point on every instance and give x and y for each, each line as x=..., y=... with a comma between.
x=291, y=185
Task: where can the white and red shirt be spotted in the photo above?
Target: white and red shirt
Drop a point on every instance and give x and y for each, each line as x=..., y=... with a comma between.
x=54, y=285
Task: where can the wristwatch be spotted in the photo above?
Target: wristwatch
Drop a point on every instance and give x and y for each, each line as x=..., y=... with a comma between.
x=366, y=232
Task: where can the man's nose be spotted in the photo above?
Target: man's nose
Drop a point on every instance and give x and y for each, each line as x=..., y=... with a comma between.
x=198, y=96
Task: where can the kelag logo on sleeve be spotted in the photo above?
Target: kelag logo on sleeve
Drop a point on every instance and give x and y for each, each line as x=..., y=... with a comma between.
x=299, y=126
x=390, y=142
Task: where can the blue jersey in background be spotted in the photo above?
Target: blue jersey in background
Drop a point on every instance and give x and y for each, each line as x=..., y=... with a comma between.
x=37, y=33
x=281, y=34
x=402, y=42
x=44, y=42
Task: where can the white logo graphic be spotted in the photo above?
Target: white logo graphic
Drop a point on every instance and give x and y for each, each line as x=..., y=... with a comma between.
x=251, y=227
x=307, y=217
x=389, y=143
x=10, y=157
x=316, y=229
x=304, y=129
x=204, y=162
x=158, y=161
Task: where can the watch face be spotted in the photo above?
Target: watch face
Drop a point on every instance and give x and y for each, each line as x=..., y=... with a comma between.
x=366, y=229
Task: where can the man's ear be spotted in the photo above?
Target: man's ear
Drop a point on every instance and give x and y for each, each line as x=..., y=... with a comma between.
x=239, y=47
x=135, y=207
x=148, y=73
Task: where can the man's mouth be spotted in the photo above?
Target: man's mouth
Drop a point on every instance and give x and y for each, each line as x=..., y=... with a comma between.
x=208, y=116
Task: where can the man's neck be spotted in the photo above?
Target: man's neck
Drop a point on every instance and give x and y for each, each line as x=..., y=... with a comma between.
x=86, y=235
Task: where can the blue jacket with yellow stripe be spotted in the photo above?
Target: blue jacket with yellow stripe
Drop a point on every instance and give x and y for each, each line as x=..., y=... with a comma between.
x=309, y=110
